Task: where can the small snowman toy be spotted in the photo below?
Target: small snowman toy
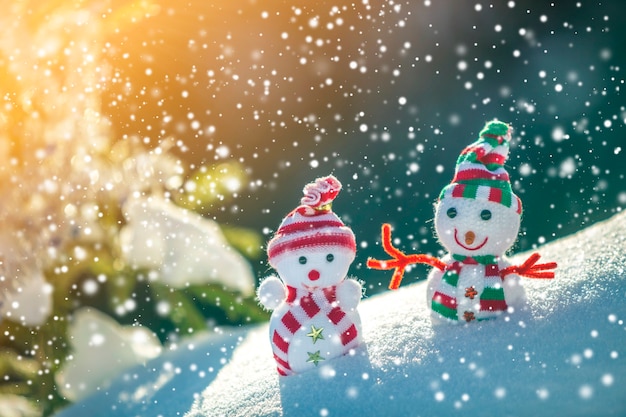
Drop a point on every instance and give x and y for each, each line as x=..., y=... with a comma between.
x=477, y=219
x=314, y=315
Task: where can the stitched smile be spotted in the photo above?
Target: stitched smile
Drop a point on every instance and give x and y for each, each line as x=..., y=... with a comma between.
x=467, y=247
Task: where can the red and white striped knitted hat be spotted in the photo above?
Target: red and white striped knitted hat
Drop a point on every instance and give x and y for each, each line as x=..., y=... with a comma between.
x=480, y=172
x=313, y=224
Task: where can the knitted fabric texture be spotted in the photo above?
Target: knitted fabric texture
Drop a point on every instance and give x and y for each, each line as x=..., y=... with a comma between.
x=313, y=224
x=480, y=172
x=491, y=298
x=304, y=306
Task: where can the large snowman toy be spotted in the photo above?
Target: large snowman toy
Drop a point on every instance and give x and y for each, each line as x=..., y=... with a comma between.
x=477, y=219
x=314, y=317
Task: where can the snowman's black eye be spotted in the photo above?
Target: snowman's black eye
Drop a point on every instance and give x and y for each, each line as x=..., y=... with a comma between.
x=330, y=257
x=485, y=214
x=302, y=260
x=451, y=212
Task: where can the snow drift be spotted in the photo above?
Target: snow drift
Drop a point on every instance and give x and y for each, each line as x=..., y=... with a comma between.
x=563, y=354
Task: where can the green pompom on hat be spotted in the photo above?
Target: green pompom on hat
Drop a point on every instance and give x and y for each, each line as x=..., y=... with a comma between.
x=480, y=173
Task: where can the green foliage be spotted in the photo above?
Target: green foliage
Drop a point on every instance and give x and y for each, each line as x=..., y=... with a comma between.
x=246, y=241
x=209, y=186
x=30, y=356
x=66, y=179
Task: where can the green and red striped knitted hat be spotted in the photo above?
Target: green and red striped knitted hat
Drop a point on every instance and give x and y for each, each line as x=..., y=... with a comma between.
x=480, y=172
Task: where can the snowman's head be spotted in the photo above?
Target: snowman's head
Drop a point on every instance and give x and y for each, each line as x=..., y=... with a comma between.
x=475, y=227
x=313, y=247
x=316, y=267
x=478, y=213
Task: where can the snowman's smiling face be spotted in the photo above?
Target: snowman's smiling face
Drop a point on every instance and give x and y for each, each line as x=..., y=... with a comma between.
x=475, y=227
x=314, y=268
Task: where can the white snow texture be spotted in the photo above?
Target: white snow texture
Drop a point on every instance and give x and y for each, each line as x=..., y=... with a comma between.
x=564, y=354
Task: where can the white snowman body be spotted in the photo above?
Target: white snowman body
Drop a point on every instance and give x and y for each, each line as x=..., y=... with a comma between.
x=315, y=317
x=474, y=228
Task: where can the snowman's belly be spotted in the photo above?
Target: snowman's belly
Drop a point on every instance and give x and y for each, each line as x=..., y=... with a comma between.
x=470, y=285
x=315, y=343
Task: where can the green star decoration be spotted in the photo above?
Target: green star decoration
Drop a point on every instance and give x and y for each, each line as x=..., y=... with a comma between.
x=315, y=357
x=316, y=334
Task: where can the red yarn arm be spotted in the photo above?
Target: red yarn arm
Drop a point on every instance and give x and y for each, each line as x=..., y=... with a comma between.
x=400, y=260
x=426, y=259
x=530, y=269
x=387, y=244
x=401, y=257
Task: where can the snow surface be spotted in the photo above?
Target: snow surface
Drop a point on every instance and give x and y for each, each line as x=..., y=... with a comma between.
x=565, y=354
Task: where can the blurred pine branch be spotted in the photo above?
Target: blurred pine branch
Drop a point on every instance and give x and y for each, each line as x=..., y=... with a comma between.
x=74, y=178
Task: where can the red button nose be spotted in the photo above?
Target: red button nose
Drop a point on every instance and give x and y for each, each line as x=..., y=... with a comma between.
x=314, y=275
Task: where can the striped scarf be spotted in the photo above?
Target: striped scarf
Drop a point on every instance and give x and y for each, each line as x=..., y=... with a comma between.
x=304, y=306
x=491, y=299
